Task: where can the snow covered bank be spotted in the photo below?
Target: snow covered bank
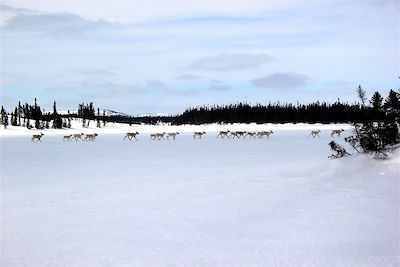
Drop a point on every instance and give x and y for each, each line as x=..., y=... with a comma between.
x=275, y=202
x=115, y=128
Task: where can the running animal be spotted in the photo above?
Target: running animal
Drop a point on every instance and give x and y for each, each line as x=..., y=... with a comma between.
x=157, y=136
x=130, y=136
x=153, y=136
x=267, y=133
x=315, y=133
x=262, y=134
x=251, y=134
x=77, y=136
x=198, y=135
x=90, y=137
x=160, y=136
x=172, y=135
x=67, y=137
x=37, y=137
x=337, y=132
x=238, y=134
x=223, y=134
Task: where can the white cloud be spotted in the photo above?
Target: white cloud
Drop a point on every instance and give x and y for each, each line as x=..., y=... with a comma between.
x=157, y=85
x=226, y=62
x=145, y=10
x=154, y=84
x=218, y=87
x=9, y=78
x=96, y=83
x=92, y=72
x=54, y=23
x=185, y=77
x=281, y=80
x=15, y=10
x=63, y=87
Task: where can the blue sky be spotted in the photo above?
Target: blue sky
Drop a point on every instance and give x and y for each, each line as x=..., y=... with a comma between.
x=163, y=56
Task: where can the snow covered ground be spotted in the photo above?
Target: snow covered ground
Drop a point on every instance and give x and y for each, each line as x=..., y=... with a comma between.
x=120, y=128
x=271, y=202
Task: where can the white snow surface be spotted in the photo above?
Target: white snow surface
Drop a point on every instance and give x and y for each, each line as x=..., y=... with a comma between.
x=211, y=202
x=113, y=128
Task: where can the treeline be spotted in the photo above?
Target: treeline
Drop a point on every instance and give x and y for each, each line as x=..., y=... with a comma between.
x=24, y=114
x=33, y=116
x=274, y=113
x=317, y=112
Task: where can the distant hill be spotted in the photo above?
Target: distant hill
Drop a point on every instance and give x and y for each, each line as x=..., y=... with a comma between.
x=159, y=114
x=109, y=112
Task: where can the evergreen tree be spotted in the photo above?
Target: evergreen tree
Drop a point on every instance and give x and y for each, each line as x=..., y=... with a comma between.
x=91, y=111
x=57, y=121
x=37, y=124
x=392, y=106
x=391, y=109
x=14, y=119
x=98, y=118
x=104, y=118
x=376, y=101
x=4, y=117
x=379, y=130
x=362, y=95
x=19, y=113
x=15, y=122
x=28, y=123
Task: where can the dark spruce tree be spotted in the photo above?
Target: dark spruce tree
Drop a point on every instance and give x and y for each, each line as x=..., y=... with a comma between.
x=98, y=118
x=57, y=121
x=392, y=106
x=104, y=118
x=12, y=117
x=379, y=129
x=4, y=117
x=36, y=115
x=5, y=120
x=391, y=119
x=16, y=117
x=19, y=113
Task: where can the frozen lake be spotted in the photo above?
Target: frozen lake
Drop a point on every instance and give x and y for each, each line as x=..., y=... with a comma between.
x=276, y=202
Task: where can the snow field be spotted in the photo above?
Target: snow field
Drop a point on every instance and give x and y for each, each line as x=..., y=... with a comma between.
x=120, y=128
x=271, y=202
